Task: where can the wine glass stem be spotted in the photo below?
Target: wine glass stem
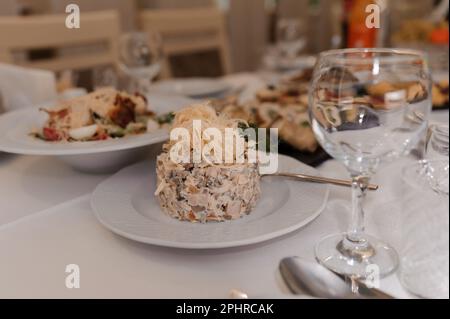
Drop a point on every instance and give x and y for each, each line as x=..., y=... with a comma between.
x=355, y=245
x=143, y=85
x=355, y=232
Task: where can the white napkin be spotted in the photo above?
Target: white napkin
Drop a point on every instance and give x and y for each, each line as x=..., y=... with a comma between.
x=22, y=87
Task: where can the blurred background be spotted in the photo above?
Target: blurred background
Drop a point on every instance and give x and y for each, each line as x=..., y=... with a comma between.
x=210, y=37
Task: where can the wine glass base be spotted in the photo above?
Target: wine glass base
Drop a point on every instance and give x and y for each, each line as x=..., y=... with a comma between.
x=382, y=262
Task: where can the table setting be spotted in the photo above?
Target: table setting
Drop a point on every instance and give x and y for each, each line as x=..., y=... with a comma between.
x=356, y=130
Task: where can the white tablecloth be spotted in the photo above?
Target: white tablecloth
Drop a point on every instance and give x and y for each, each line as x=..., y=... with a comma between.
x=36, y=249
x=46, y=225
x=29, y=184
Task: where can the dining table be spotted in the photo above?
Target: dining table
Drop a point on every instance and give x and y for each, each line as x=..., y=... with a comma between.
x=46, y=223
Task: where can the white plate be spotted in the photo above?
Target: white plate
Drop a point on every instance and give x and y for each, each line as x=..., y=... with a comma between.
x=192, y=87
x=125, y=204
x=286, y=64
x=164, y=103
x=94, y=156
x=15, y=128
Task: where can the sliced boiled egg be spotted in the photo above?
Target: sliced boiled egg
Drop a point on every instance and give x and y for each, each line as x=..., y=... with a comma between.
x=152, y=125
x=84, y=132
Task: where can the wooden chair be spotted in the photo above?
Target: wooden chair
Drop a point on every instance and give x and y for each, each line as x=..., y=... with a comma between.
x=186, y=31
x=49, y=31
x=9, y=7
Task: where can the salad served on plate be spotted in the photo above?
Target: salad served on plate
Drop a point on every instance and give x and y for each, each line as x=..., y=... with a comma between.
x=103, y=114
x=206, y=191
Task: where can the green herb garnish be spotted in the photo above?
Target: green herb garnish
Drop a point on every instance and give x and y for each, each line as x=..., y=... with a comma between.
x=165, y=118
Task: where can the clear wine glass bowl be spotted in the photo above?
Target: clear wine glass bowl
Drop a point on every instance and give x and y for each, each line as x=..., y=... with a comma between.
x=367, y=106
x=140, y=58
x=291, y=38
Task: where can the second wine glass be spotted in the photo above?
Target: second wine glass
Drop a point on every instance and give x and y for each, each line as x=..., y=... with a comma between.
x=140, y=58
x=367, y=106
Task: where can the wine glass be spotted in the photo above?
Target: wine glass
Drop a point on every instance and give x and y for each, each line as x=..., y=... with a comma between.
x=291, y=39
x=367, y=107
x=104, y=76
x=140, y=58
x=424, y=219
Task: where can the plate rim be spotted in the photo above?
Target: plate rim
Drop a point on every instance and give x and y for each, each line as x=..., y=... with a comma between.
x=204, y=246
x=9, y=146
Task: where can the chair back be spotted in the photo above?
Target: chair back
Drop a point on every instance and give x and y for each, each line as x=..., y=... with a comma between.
x=100, y=28
x=186, y=31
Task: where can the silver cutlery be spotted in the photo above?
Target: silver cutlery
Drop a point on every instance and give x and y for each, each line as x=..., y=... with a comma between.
x=311, y=278
x=320, y=179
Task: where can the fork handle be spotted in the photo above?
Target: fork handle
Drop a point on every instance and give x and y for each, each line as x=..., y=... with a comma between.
x=322, y=180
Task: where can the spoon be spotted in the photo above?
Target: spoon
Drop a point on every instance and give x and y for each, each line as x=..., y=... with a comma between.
x=311, y=278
